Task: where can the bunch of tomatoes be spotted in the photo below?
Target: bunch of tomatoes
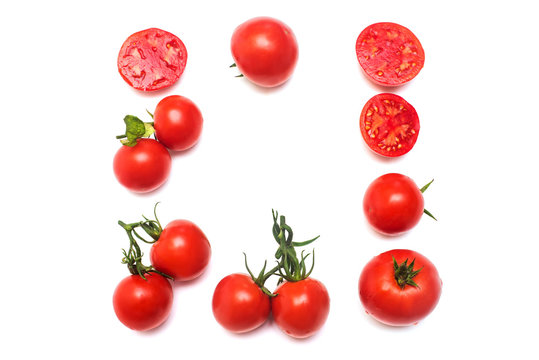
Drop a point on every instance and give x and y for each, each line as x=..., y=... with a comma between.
x=398, y=287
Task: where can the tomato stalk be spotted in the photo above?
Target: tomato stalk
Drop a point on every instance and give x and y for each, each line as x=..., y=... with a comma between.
x=405, y=273
x=423, y=189
x=262, y=276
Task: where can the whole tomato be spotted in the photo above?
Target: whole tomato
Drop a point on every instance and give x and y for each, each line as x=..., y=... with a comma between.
x=143, y=304
x=393, y=204
x=182, y=251
x=399, y=287
x=265, y=51
x=177, y=122
x=143, y=167
x=239, y=304
x=300, y=308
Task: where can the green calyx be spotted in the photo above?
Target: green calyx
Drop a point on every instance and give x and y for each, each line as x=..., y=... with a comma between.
x=404, y=273
x=260, y=280
x=423, y=189
x=135, y=129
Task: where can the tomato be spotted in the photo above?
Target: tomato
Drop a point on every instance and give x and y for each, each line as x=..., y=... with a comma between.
x=392, y=294
x=239, y=305
x=143, y=167
x=177, y=122
x=389, y=125
x=393, y=204
x=152, y=59
x=143, y=304
x=389, y=53
x=300, y=308
x=182, y=251
x=265, y=51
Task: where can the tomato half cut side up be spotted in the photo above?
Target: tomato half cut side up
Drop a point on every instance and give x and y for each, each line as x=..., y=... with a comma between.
x=389, y=125
x=152, y=59
x=389, y=53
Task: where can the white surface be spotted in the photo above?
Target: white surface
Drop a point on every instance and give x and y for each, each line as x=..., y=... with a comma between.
x=297, y=149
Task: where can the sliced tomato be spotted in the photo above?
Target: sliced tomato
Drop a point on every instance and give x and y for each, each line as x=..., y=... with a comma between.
x=389, y=53
x=152, y=59
x=389, y=125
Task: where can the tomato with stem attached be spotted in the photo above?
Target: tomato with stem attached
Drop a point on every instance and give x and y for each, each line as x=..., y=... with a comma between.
x=399, y=287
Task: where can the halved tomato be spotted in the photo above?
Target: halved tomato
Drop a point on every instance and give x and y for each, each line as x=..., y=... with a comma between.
x=389, y=125
x=152, y=59
x=389, y=53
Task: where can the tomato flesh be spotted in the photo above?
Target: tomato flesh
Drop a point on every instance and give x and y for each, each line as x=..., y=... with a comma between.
x=385, y=300
x=152, y=59
x=389, y=53
x=389, y=125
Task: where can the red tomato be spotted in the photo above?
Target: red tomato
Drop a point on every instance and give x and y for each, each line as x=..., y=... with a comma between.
x=152, y=59
x=389, y=125
x=143, y=167
x=265, y=51
x=300, y=308
x=399, y=304
x=143, y=304
x=239, y=305
x=393, y=204
x=182, y=251
x=177, y=122
x=389, y=53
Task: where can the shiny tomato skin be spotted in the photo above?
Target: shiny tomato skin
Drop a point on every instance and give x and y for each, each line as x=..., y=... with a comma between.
x=143, y=167
x=152, y=59
x=386, y=301
x=389, y=125
x=393, y=204
x=265, y=51
x=143, y=304
x=177, y=122
x=182, y=251
x=389, y=53
x=239, y=305
x=300, y=308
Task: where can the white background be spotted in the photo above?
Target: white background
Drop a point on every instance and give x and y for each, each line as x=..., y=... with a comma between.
x=296, y=148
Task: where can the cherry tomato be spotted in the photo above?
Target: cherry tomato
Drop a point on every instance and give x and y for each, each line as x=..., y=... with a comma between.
x=392, y=294
x=239, y=305
x=389, y=125
x=182, y=251
x=265, y=51
x=177, y=122
x=300, y=308
x=143, y=304
x=393, y=204
x=152, y=59
x=389, y=53
x=143, y=167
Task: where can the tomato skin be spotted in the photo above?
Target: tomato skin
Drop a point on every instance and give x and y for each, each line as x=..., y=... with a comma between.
x=393, y=204
x=239, y=305
x=384, y=299
x=177, y=122
x=300, y=308
x=265, y=51
x=389, y=125
x=182, y=251
x=389, y=54
x=143, y=304
x=143, y=167
x=152, y=59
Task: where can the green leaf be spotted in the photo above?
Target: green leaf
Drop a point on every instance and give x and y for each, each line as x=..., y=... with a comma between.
x=424, y=188
x=134, y=129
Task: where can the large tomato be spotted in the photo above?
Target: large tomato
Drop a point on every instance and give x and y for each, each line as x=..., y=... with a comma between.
x=177, y=122
x=182, y=251
x=393, y=204
x=239, y=305
x=143, y=167
x=389, y=125
x=300, y=308
x=389, y=53
x=399, y=287
x=265, y=51
x=152, y=59
x=143, y=304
